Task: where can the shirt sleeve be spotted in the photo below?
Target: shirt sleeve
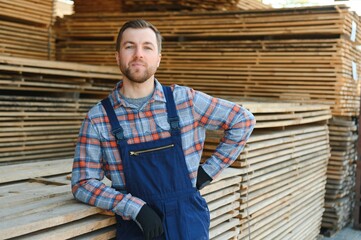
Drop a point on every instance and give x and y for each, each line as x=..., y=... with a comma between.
x=236, y=121
x=88, y=171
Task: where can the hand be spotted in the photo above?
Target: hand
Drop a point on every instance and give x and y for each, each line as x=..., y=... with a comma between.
x=203, y=179
x=150, y=222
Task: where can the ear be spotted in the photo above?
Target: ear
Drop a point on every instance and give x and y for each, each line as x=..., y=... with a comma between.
x=117, y=58
x=159, y=58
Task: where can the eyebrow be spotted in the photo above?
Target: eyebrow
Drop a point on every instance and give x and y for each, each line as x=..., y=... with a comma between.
x=145, y=43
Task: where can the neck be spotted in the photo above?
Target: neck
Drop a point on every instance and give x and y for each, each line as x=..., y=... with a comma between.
x=132, y=89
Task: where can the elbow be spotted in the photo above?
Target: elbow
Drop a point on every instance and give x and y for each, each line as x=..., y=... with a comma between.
x=75, y=187
x=249, y=120
x=74, y=190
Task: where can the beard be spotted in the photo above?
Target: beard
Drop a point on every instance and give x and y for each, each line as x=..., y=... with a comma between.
x=138, y=75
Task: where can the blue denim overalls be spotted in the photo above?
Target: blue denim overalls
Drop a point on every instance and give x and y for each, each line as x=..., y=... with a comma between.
x=156, y=172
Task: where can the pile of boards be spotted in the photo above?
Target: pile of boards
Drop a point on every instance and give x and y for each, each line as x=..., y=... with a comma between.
x=283, y=170
x=280, y=173
x=117, y=6
x=26, y=29
x=302, y=54
x=42, y=105
x=299, y=54
x=341, y=171
x=44, y=208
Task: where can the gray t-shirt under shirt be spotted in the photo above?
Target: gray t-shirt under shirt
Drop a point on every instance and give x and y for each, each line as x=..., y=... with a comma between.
x=137, y=102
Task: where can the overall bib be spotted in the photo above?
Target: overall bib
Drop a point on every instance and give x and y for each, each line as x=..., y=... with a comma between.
x=156, y=172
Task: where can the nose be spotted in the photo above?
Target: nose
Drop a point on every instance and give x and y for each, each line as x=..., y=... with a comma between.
x=138, y=52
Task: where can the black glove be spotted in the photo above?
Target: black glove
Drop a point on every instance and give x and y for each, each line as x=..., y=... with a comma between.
x=150, y=222
x=203, y=179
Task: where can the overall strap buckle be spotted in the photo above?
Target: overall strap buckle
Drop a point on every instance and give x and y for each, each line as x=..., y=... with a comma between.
x=173, y=118
x=118, y=133
x=174, y=123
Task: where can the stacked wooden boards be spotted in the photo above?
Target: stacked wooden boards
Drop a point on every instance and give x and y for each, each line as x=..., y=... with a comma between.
x=98, y=6
x=189, y=5
x=42, y=105
x=43, y=207
x=84, y=6
x=35, y=11
x=340, y=194
x=22, y=74
x=310, y=57
x=222, y=197
x=283, y=171
x=305, y=70
x=213, y=25
x=305, y=54
x=25, y=29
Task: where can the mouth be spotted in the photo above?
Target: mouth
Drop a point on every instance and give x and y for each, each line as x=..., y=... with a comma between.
x=137, y=64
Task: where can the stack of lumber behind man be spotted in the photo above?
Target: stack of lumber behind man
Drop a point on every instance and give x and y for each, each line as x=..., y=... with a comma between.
x=254, y=54
x=303, y=55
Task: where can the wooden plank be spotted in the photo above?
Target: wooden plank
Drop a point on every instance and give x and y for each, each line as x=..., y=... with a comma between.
x=53, y=217
x=223, y=228
x=31, y=170
x=104, y=233
x=79, y=227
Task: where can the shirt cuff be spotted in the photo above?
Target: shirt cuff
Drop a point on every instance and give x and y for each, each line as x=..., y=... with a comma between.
x=129, y=207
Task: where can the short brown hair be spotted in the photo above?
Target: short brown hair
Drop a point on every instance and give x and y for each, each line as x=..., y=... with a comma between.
x=138, y=24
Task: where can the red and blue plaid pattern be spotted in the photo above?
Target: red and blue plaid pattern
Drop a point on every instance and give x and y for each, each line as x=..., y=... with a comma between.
x=97, y=155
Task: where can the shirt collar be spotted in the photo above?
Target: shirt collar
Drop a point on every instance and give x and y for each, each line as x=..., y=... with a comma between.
x=118, y=101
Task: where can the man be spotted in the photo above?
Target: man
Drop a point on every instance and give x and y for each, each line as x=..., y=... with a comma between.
x=148, y=140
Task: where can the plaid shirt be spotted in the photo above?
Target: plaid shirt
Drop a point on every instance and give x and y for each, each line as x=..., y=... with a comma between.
x=97, y=155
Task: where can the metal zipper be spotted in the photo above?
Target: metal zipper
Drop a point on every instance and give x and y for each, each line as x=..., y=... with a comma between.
x=136, y=153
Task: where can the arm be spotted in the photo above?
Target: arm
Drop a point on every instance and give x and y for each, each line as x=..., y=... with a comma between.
x=237, y=123
x=89, y=170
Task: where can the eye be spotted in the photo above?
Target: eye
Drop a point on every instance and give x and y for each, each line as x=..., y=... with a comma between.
x=148, y=48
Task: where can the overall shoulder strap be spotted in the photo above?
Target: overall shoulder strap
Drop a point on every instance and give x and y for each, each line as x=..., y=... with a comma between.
x=173, y=118
x=117, y=130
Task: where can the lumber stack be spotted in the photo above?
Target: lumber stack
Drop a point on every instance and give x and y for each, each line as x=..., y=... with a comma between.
x=189, y=5
x=26, y=31
x=22, y=74
x=310, y=57
x=296, y=23
x=42, y=105
x=309, y=70
x=340, y=194
x=222, y=197
x=31, y=11
x=283, y=169
x=98, y=6
x=45, y=209
x=42, y=207
x=114, y=6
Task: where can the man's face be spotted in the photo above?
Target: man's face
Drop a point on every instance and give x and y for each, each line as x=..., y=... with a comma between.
x=138, y=57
